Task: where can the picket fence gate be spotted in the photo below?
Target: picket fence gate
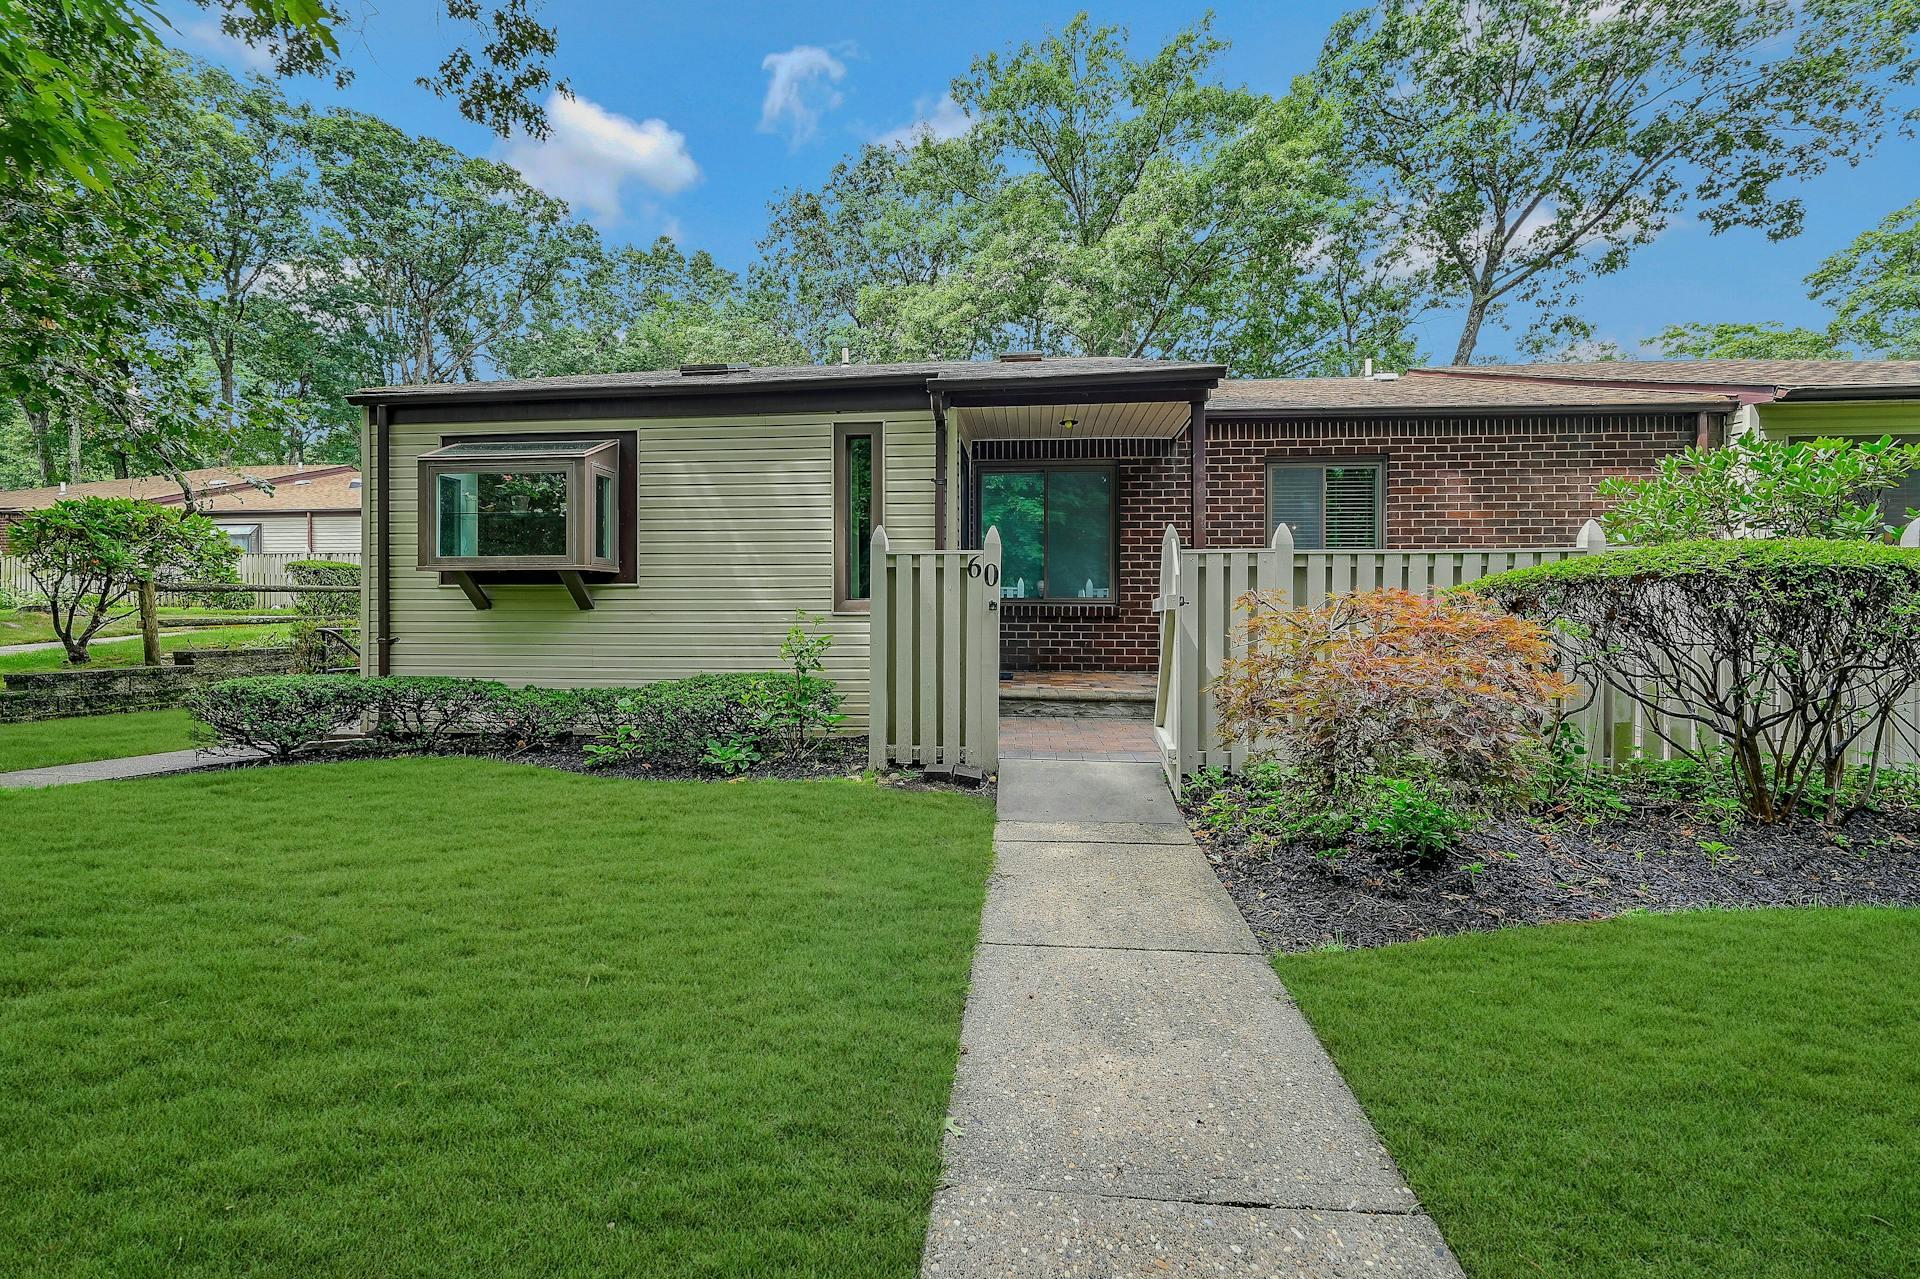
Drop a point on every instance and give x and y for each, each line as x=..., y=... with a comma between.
x=934, y=696
x=1200, y=629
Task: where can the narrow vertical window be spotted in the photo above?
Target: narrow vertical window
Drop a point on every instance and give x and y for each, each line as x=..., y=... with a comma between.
x=856, y=483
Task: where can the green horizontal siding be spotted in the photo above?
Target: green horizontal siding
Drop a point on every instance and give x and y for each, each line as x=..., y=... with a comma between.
x=1855, y=417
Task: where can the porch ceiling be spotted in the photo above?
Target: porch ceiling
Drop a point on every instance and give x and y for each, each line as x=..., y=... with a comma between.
x=1149, y=420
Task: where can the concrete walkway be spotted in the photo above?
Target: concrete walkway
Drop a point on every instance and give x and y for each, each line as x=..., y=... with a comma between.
x=113, y=770
x=1137, y=1094
x=47, y=646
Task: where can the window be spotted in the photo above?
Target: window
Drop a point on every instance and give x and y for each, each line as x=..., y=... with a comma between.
x=1056, y=530
x=521, y=504
x=245, y=537
x=1332, y=506
x=856, y=506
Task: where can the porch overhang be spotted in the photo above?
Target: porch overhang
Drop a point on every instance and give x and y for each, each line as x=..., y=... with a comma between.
x=1157, y=408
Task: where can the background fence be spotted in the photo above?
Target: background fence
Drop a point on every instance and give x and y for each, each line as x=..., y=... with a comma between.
x=256, y=568
x=935, y=693
x=1200, y=630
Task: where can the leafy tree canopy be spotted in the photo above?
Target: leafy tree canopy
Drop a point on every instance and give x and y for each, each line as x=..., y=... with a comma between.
x=1764, y=341
x=1873, y=286
x=1523, y=145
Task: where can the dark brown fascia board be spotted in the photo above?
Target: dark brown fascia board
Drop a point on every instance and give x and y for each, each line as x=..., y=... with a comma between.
x=1817, y=394
x=919, y=384
x=1069, y=393
x=283, y=510
x=1465, y=411
x=625, y=406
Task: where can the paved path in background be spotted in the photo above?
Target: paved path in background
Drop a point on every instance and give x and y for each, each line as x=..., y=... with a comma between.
x=110, y=770
x=45, y=645
x=1137, y=1095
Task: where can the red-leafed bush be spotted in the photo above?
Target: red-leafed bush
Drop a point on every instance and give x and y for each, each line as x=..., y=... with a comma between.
x=1454, y=693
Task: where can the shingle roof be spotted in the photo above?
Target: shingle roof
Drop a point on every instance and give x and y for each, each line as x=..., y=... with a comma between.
x=934, y=374
x=222, y=488
x=1785, y=376
x=1351, y=395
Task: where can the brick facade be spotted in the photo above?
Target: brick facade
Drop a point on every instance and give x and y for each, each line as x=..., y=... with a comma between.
x=1495, y=481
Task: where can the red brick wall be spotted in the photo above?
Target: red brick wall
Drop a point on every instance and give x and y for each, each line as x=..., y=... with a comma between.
x=1449, y=482
x=1520, y=481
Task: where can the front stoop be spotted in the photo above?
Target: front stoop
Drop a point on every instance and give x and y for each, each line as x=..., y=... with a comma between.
x=1138, y=1096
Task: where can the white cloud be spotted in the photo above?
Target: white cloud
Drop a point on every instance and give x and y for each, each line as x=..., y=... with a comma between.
x=208, y=35
x=939, y=120
x=799, y=91
x=590, y=154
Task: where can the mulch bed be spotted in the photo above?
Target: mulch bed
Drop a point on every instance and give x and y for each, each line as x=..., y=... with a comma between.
x=1536, y=872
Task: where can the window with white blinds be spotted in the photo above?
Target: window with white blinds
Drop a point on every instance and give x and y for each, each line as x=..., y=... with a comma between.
x=1328, y=505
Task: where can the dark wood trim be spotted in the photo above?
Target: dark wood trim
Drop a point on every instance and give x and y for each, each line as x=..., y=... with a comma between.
x=843, y=602
x=1013, y=397
x=383, y=539
x=581, y=472
x=582, y=598
x=828, y=403
x=1112, y=468
x=1197, y=433
x=939, y=402
x=476, y=594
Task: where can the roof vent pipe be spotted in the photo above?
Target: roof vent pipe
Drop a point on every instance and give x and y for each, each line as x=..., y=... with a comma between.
x=63, y=488
x=1367, y=369
x=846, y=356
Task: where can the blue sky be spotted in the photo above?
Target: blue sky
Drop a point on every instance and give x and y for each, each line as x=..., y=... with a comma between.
x=690, y=118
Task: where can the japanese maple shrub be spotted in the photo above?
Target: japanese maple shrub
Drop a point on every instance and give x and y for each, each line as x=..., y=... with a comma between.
x=1383, y=704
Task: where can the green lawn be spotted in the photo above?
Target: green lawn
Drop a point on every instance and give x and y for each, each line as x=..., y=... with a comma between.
x=129, y=653
x=435, y=1017
x=1715, y=1094
x=28, y=626
x=73, y=741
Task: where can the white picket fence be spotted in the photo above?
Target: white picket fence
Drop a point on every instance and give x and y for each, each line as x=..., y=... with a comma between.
x=1200, y=629
x=935, y=691
x=257, y=568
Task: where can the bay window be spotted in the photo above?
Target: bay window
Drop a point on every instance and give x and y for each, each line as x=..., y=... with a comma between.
x=521, y=504
x=1056, y=530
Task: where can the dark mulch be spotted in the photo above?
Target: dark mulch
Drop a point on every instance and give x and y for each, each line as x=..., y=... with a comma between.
x=1536, y=872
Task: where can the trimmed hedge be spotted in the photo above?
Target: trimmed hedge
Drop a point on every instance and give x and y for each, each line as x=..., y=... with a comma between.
x=329, y=604
x=1792, y=652
x=710, y=721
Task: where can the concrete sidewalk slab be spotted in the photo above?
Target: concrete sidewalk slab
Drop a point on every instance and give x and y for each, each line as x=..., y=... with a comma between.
x=1049, y=790
x=987, y=1230
x=1158, y=896
x=1156, y=1075
x=1136, y=1095
x=113, y=770
x=1090, y=832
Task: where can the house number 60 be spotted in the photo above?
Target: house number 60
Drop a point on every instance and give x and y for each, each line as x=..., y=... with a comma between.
x=989, y=573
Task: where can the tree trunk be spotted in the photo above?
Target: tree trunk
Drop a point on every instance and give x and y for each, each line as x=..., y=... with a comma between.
x=1470, y=333
x=224, y=366
x=73, y=448
x=149, y=623
x=42, y=428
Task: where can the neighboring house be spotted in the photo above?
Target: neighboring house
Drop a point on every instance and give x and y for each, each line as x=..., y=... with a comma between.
x=1781, y=399
x=623, y=528
x=301, y=510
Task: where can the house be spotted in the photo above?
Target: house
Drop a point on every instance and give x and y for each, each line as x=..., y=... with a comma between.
x=623, y=528
x=1780, y=399
x=279, y=508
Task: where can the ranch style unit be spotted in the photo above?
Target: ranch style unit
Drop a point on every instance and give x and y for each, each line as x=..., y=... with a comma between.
x=624, y=528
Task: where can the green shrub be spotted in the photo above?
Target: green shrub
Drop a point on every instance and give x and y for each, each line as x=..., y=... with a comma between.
x=279, y=714
x=421, y=712
x=1789, y=652
x=325, y=573
x=678, y=723
x=533, y=718
x=1272, y=804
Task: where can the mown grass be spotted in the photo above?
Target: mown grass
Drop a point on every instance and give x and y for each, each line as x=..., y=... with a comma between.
x=31, y=626
x=1704, y=1094
x=430, y=1017
x=46, y=742
x=128, y=652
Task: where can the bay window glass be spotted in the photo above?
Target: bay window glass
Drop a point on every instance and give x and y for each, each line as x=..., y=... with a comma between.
x=521, y=504
x=1056, y=531
x=486, y=513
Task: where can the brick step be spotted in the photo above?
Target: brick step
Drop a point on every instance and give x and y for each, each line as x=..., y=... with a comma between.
x=1073, y=704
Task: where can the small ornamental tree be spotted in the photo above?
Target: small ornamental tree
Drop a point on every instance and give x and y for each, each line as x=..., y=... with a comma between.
x=89, y=556
x=1785, y=654
x=1762, y=488
x=1387, y=683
